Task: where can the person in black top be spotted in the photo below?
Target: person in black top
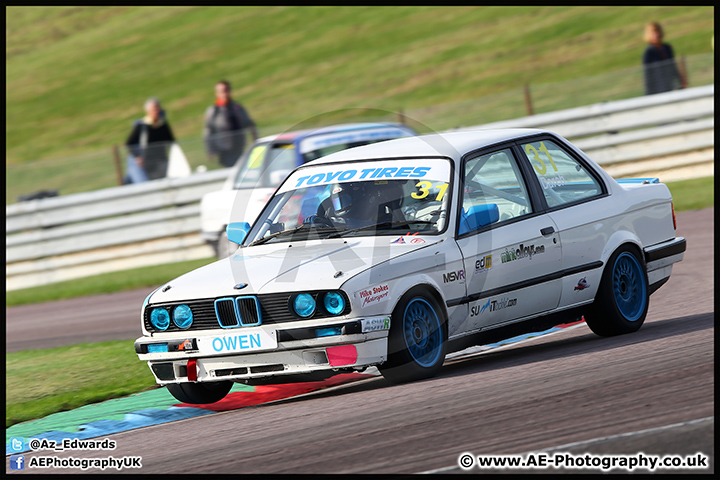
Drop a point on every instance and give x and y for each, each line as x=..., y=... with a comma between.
x=226, y=124
x=660, y=71
x=150, y=139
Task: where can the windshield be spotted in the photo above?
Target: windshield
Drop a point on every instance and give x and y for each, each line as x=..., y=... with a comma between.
x=319, y=145
x=267, y=165
x=388, y=197
x=254, y=174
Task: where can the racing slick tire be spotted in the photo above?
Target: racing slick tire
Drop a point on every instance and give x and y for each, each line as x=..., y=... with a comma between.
x=621, y=303
x=417, y=340
x=200, y=393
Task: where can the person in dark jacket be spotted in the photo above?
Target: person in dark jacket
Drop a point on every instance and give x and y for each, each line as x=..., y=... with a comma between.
x=226, y=125
x=150, y=140
x=660, y=70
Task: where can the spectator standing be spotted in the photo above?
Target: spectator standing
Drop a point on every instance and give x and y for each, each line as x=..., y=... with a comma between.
x=226, y=123
x=660, y=70
x=150, y=139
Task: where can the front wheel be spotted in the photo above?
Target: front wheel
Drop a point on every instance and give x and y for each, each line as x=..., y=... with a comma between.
x=200, y=393
x=621, y=303
x=416, y=344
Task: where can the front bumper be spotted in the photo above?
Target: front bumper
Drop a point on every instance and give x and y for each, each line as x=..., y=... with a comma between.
x=352, y=348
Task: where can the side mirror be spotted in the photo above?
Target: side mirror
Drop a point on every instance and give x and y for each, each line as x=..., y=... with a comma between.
x=478, y=216
x=236, y=232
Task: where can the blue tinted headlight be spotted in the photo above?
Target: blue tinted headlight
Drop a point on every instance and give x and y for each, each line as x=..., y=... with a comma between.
x=334, y=303
x=160, y=318
x=304, y=305
x=182, y=316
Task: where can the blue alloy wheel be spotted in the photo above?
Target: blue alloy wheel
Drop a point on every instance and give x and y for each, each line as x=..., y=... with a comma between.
x=622, y=299
x=629, y=287
x=422, y=332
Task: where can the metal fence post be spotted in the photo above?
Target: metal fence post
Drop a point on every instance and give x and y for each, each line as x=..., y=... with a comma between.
x=683, y=71
x=528, y=100
x=118, y=166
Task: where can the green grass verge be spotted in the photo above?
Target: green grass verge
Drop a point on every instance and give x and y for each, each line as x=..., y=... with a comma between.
x=693, y=194
x=78, y=76
x=41, y=382
x=150, y=277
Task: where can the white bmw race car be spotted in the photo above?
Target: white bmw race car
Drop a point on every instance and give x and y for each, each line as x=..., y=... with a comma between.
x=397, y=253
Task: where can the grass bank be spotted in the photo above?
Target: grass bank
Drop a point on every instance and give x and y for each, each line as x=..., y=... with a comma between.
x=693, y=194
x=76, y=77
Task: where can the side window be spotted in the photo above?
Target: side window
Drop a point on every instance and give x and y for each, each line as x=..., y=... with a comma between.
x=493, y=191
x=249, y=173
x=562, y=178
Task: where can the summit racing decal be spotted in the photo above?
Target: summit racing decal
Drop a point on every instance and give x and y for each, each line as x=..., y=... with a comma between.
x=493, y=306
x=522, y=251
x=430, y=169
x=374, y=295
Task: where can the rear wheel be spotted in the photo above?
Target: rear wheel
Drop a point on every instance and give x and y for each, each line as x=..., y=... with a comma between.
x=621, y=304
x=416, y=345
x=200, y=393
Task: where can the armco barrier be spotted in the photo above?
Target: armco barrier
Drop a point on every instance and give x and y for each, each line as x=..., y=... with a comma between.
x=62, y=238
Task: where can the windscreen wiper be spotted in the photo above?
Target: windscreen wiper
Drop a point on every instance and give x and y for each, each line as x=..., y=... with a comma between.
x=302, y=226
x=382, y=224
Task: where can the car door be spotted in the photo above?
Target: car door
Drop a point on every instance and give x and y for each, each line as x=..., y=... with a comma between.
x=509, y=245
x=574, y=197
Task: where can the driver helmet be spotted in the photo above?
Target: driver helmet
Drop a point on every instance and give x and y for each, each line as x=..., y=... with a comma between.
x=345, y=196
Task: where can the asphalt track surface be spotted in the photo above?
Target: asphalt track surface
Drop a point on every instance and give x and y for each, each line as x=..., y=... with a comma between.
x=650, y=392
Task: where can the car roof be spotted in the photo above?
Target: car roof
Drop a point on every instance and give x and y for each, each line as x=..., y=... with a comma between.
x=297, y=135
x=450, y=144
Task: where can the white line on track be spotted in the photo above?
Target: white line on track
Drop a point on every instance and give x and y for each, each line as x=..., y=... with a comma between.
x=594, y=440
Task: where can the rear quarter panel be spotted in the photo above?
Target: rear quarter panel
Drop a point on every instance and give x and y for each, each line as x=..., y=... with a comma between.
x=639, y=214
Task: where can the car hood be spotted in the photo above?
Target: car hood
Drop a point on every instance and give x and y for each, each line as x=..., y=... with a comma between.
x=272, y=268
